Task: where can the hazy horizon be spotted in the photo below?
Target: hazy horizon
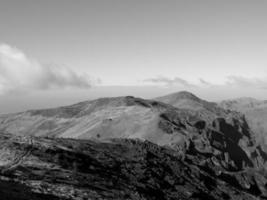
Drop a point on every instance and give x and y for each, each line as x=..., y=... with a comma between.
x=56, y=53
x=43, y=100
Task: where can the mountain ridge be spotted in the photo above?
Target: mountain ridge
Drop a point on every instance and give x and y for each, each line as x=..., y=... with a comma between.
x=128, y=117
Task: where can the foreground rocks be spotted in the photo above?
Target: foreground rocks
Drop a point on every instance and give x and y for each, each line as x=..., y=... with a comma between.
x=41, y=168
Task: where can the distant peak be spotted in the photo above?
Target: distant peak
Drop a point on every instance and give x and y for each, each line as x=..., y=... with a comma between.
x=186, y=94
x=187, y=100
x=247, y=99
x=182, y=95
x=242, y=100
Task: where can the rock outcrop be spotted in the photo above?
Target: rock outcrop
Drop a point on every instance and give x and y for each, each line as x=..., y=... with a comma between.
x=256, y=115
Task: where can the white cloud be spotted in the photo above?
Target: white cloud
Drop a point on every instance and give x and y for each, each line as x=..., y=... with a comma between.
x=177, y=81
x=169, y=81
x=230, y=81
x=244, y=82
x=19, y=73
x=204, y=82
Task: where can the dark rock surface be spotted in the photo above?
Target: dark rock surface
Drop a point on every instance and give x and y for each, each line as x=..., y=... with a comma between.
x=255, y=112
x=40, y=168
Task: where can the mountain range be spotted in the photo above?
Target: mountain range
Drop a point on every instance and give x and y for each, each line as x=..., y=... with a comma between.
x=173, y=147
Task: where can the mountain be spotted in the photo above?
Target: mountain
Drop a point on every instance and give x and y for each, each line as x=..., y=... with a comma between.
x=255, y=112
x=39, y=168
x=120, y=117
x=145, y=149
x=187, y=100
x=211, y=129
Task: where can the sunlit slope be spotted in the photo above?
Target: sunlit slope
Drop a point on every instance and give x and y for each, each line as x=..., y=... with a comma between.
x=121, y=117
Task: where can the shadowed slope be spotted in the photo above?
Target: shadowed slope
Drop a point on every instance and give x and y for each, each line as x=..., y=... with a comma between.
x=256, y=115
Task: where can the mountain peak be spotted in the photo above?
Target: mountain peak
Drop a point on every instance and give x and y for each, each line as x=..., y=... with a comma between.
x=187, y=100
x=185, y=95
x=181, y=95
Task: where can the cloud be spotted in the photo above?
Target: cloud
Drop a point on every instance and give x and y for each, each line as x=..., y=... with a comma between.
x=169, y=82
x=19, y=72
x=244, y=82
x=204, y=82
x=230, y=81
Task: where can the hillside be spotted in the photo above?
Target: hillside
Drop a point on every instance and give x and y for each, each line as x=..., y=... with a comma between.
x=121, y=117
x=41, y=168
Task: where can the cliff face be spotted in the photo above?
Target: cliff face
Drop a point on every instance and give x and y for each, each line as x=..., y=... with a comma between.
x=256, y=115
x=223, y=134
x=39, y=168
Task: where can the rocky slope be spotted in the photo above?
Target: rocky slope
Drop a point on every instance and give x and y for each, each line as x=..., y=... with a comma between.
x=256, y=115
x=231, y=120
x=41, y=168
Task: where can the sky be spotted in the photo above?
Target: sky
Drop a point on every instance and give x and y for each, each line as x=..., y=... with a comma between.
x=58, y=52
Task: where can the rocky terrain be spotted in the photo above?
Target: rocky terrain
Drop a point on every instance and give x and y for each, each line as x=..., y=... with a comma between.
x=42, y=168
x=256, y=115
x=180, y=148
